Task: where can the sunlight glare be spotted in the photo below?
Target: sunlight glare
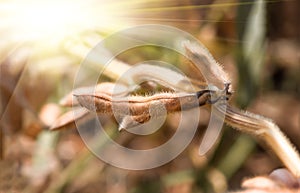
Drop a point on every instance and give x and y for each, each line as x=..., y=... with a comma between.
x=35, y=20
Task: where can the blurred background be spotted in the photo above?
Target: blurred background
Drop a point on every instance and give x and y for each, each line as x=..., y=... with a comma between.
x=43, y=43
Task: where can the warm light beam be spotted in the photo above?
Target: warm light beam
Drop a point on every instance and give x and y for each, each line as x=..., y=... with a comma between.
x=35, y=20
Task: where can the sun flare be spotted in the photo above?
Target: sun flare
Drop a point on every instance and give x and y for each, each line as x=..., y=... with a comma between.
x=36, y=20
